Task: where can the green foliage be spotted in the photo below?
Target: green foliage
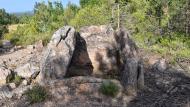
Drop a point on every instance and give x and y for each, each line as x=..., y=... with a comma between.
x=85, y=3
x=109, y=88
x=36, y=94
x=171, y=47
x=6, y=19
x=17, y=80
x=47, y=18
x=14, y=79
x=92, y=15
x=3, y=30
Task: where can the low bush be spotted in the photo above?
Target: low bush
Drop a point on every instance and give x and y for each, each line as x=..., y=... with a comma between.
x=36, y=94
x=17, y=80
x=109, y=88
x=14, y=79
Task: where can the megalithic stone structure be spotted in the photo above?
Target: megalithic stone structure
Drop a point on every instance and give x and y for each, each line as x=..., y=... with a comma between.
x=57, y=56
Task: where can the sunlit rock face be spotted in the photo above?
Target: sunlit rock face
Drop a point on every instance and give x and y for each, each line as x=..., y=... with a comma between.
x=58, y=54
x=107, y=48
x=100, y=41
x=66, y=56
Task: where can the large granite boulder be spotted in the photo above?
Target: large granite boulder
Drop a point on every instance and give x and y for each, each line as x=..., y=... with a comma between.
x=57, y=56
x=107, y=48
x=101, y=48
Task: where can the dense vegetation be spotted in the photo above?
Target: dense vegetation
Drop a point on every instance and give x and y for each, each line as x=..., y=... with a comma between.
x=162, y=26
x=6, y=19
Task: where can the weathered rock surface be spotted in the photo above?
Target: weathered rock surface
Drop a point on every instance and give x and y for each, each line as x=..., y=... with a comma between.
x=160, y=65
x=107, y=48
x=7, y=44
x=131, y=67
x=28, y=70
x=58, y=54
x=4, y=74
x=129, y=75
x=5, y=92
x=100, y=45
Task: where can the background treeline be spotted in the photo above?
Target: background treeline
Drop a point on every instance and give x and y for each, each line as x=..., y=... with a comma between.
x=6, y=19
x=162, y=26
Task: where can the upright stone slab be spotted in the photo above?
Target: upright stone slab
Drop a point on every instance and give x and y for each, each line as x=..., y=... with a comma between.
x=129, y=76
x=58, y=54
x=132, y=69
x=101, y=48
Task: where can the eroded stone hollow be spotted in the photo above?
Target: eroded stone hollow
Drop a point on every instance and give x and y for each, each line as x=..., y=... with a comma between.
x=80, y=64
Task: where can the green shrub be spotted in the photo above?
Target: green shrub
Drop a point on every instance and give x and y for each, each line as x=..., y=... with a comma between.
x=109, y=88
x=14, y=79
x=17, y=80
x=36, y=94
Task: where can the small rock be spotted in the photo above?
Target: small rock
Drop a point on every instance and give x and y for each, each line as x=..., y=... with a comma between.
x=5, y=92
x=12, y=85
x=160, y=65
x=30, y=47
x=7, y=44
x=24, y=82
x=39, y=46
x=27, y=70
x=12, y=50
x=4, y=74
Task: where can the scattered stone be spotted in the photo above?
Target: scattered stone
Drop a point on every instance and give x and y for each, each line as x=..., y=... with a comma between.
x=30, y=47
x=27, y=71
x=160, y=65
x=39, y=46
x=5, y=92
x=7, y=44
x=4, y=74
x=12, y=85
x=24, y=82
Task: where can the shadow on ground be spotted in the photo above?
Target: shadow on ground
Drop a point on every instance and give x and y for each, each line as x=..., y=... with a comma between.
x=170, y=88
